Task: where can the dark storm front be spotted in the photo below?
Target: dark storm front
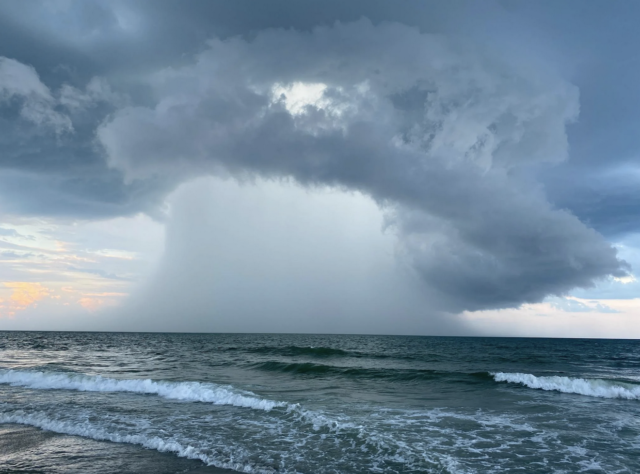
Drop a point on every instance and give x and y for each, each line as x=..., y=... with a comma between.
x=315, y=404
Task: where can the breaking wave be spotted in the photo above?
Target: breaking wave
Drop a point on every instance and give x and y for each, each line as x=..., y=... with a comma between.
x=92, y=431
x=590, y=387
x=186, y=391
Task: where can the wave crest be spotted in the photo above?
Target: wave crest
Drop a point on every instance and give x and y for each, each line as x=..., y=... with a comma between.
x=86, y=429
x=590, y=387
x=186, y=391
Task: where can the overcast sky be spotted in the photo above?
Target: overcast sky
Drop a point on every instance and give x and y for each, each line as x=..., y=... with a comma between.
x=414, y=167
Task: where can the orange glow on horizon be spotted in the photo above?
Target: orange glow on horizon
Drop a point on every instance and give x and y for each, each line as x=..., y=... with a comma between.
x=24, y=294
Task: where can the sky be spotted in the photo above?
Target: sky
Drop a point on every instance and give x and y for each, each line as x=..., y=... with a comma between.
x=370, y=167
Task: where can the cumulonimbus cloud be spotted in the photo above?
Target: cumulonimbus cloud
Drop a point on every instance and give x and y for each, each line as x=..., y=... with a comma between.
x=433, y=129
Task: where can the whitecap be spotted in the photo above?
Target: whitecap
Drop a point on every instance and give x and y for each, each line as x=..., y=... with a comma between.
x=601, y=388
x=89, y=430
x=186, y=391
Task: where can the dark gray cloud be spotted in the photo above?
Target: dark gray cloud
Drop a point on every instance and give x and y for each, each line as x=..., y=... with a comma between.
x=598, y=43
x=50, y=163
x=472, y=147
x=593, y=44
x=428, y=127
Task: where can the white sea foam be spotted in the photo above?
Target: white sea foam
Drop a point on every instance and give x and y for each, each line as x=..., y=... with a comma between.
x=187, y=391
x=591, y=387
x=388, y=440
x=88, y=430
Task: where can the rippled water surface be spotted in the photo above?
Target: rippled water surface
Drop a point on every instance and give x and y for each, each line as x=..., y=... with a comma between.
x=317, y=404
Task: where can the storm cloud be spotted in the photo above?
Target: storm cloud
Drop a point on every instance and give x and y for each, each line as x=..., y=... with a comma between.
x=466, y=142
x=433, y=129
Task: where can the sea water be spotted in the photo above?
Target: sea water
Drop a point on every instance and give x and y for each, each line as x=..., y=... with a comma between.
x=273, y=403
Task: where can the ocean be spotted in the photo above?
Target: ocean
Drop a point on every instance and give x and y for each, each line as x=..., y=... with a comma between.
x=274, y=403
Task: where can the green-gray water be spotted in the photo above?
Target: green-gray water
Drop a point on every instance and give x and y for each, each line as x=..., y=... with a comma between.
x=317, y=404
